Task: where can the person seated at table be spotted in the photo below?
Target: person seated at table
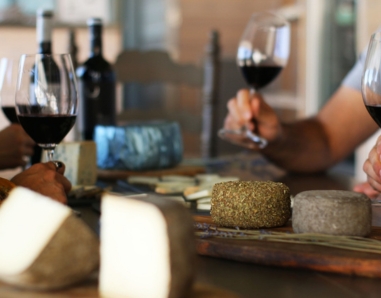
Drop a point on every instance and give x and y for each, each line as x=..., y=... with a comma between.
x=15, y=145
x=47, y=179
x=313, y=144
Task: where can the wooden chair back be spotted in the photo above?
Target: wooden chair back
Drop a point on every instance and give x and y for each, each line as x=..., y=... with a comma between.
x=146, y=67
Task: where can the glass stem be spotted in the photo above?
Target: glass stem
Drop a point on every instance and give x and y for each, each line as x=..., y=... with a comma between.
x=50, y=154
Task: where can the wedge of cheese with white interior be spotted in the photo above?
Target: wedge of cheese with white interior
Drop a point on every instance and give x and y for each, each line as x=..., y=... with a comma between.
x=44, y=245
x=147, y=248
x=80, y=159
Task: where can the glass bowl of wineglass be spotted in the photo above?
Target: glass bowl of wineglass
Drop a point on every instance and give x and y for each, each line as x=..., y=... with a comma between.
x=371, y=78
x=8, y=77
x=46, y=98
x=263, y=52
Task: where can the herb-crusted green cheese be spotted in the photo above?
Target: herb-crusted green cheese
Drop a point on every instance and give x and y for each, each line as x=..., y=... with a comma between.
x=250, y=204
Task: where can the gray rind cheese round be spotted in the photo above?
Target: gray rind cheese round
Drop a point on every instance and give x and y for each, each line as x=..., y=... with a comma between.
x=334, y=212
x=250, y=204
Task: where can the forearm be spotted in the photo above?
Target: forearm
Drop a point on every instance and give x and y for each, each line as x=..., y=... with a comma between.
x=302, y=147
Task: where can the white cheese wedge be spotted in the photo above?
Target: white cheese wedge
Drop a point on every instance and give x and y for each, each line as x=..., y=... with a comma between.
x=147, y=248
x=43, y=244
x=80, y=160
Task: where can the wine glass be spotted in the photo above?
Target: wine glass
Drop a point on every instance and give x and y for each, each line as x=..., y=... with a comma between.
x=46, y=98
x=371, y=78
x=8, y=77
x=262, y=53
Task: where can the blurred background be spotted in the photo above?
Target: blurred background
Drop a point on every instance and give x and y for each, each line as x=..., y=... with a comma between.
x=327, y=36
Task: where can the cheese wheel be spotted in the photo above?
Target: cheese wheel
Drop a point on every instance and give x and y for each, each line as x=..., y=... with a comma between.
x=147, y=248
x=250, y=204
x=43, y=245
x=335, y=212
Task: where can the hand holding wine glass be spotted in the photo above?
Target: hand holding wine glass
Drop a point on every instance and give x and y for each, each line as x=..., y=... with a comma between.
x=262, y=53
x=46, y=98
x=15, y=144
x=371, y=93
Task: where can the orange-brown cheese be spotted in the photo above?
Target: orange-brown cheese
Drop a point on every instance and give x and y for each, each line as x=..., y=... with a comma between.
x=335, y=212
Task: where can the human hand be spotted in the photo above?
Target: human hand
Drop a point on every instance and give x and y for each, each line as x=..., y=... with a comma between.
x=46, y=179
x=15, y=144
x=366, y=189
x=372, y=166
x=252, y=112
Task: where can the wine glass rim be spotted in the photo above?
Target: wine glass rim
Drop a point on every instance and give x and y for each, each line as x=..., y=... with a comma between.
x=271, y=13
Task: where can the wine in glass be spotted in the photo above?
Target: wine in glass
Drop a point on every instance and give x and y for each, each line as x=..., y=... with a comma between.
x=46, y=98
x=262, y=53
x=371, y=78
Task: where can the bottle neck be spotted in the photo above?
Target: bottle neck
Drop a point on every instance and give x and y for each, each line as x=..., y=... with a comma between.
x=44, y=34
x=95, y=40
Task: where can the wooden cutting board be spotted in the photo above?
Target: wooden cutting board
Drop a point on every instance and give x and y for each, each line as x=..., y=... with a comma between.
x=291, y=255
x=186, y=170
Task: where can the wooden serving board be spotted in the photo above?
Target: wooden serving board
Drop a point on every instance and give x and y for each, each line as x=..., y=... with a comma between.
x=186, y=170
x=291, y=255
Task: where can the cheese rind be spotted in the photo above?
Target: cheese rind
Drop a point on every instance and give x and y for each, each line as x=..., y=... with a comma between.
x=44, y=246
x=334, y=212
x=147, y=248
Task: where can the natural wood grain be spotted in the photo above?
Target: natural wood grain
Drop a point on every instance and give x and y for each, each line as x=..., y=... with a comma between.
x=290, y=255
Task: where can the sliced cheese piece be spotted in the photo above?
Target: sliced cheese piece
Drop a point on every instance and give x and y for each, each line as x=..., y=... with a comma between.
x=211, y=183
x=43, y=244
x=200, y=194
x=80, y=161
x=334, y=212
x=172, y=187
x=201, y=178
x=147, y=248
x=178, y=178
x=143, y=180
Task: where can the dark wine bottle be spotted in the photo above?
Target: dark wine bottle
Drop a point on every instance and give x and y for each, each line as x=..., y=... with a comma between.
x=72, y=48
x=97, y=85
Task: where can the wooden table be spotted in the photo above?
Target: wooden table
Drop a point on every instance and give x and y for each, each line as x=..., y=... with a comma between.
x=251, y=280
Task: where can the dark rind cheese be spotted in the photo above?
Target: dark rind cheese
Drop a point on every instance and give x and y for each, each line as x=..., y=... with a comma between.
x=250, y=204
x=334, y=212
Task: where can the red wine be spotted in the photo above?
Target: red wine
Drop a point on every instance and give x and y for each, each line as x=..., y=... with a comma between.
x=10, y=113
x=97, y=83
x=260, y=76
x=375, y=112
x=47, y=129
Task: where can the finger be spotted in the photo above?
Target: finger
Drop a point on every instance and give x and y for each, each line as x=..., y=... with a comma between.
x=231, y=124
x=64, y=182
x=374, y=184
x=372, y=165
x=60, y=166
x=234, y=113
x=366, y=189
x=243, y=104
x=369, y=170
